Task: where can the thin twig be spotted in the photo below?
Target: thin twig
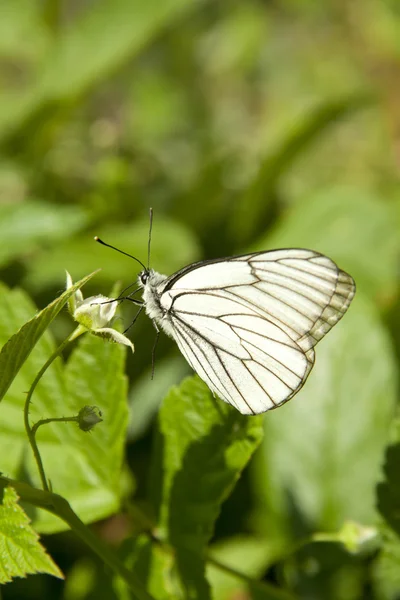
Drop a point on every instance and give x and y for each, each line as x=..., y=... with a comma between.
x=53, y=420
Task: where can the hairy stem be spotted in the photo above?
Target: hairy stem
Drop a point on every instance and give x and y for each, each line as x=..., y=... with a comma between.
x=53, y=420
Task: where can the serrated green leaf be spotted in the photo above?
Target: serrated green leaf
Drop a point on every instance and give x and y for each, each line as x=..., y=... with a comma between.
x=352, y=226
x=203, y=446
x=17, y=349
x=24, y=225
x=21, y=553
x=322, y=451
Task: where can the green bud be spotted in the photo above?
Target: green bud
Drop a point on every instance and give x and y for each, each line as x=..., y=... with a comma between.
x=88, y=417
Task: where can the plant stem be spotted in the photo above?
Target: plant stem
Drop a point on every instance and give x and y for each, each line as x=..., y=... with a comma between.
x=268, y=588
x=60, y=507
x=262, y=586
x=53, y=420
x=31, y=431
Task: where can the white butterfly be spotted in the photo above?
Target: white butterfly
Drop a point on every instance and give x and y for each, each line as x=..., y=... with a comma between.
x=248, y=324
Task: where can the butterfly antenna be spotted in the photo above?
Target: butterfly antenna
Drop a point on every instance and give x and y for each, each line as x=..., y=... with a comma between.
x=120, y=251
x=149, y=242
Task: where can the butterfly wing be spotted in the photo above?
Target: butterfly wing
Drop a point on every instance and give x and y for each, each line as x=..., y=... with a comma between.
x=248, y=324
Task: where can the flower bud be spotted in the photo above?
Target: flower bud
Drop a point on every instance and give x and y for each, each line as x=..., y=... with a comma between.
x=356, y=537
x=88, y=417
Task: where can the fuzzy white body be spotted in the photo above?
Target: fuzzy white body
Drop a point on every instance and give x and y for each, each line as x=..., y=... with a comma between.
x=156, y=305
x=248, y=324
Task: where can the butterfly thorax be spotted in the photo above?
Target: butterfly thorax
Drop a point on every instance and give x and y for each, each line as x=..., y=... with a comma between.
x=152, y=284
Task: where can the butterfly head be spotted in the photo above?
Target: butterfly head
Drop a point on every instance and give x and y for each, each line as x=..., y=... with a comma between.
x=144, y=277
x=150, y=279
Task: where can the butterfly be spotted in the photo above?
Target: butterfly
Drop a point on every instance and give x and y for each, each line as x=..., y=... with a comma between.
x=248, y=324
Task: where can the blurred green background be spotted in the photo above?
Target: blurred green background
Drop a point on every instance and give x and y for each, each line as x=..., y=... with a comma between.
x=245, y=125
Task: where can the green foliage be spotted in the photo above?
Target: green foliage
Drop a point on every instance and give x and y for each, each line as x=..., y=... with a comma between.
x=82, y=55
x=386, y=572
x=91, y=477
x=20, y=550
x=366, y=226
x=202, y=447
x=244, y=554
x=246, y=126
x=388, y=491
x=93, y=374
x=24, y=228
x=147, y=394
x=172, y=243
x=341, y=417
x=387, y=566
x=199, y=439
x=254, y=207
x=17, y=349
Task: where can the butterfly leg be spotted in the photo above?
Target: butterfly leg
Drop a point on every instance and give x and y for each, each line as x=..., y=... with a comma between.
x=153, y=353
x=135, y=317
x=120, y=298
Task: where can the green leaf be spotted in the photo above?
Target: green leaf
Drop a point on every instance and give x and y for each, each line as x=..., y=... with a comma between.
x=386, y=569
x=388, y=491
x=21, y=553
x=91, y=462
x=173, y=246
x=156, y=567
x=354, y=227
x=17, y=349
x=340, y=418
x=89, y=580
x=249, y=556
x=22, y=34
x=203, y=446
x=24, y=225
x=147, y=393
x=83, y=577
x=82, y=55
